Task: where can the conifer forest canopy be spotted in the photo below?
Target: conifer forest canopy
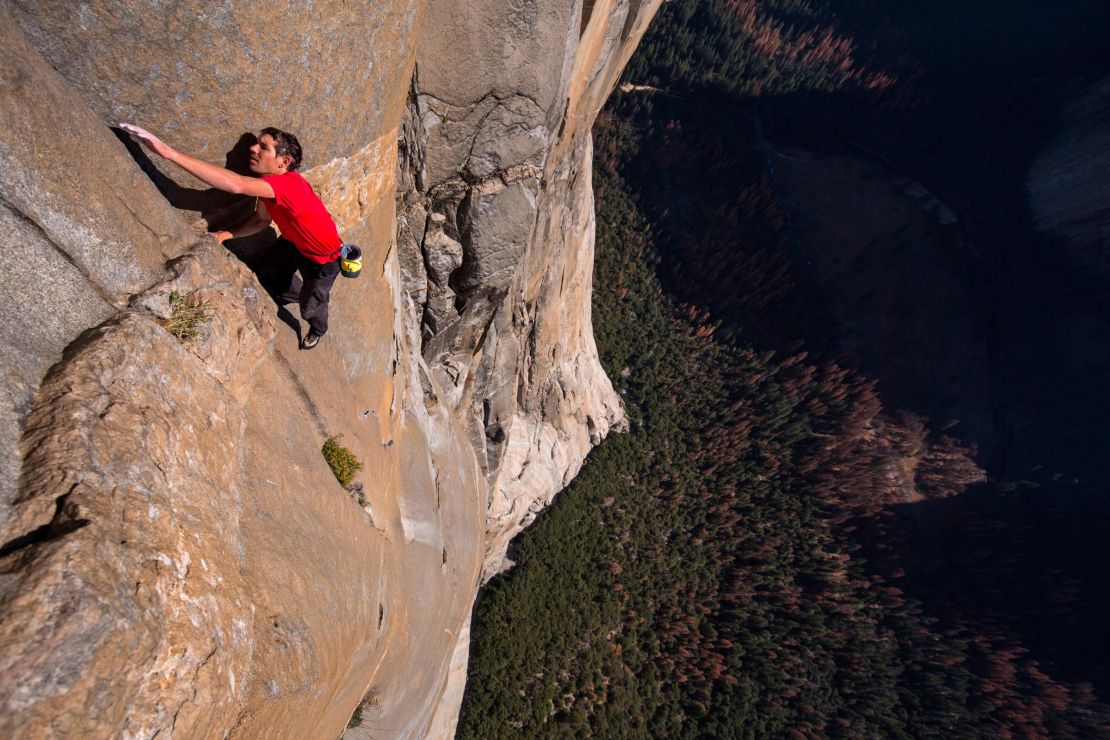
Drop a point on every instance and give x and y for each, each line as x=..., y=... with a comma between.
x=861, y=326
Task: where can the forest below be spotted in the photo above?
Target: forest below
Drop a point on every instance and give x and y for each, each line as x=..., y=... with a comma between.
x=801, y=535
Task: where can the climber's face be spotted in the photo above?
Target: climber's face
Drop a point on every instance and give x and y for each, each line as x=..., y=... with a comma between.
x=265, y=159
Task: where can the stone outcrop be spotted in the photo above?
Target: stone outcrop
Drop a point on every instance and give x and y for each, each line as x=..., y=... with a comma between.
x=177, y=557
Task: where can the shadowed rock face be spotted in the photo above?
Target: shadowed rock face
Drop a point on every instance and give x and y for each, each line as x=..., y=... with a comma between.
x=177, y=557
x=1067, y=183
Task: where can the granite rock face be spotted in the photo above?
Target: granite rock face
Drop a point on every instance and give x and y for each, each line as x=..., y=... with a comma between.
x=80, y=235
x=176, y=558
x=209, y=70
x=499, y=166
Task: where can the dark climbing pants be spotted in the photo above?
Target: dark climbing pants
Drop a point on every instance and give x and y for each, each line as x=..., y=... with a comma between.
x=311, y=290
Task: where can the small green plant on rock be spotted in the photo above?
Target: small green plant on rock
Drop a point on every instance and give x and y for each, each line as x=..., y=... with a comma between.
x=370, y=701
x=342, y=461
x=189, y=315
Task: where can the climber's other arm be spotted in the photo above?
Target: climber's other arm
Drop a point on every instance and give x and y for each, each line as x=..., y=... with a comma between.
x=252, y=224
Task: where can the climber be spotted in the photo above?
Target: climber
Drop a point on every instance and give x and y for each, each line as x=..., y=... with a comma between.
x=309, y=241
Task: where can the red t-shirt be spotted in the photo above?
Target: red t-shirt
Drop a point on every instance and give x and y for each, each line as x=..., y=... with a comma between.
x=302, y=217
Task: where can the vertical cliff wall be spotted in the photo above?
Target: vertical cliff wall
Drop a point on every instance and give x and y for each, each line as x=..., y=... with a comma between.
x=177, y=557
x=496, y=234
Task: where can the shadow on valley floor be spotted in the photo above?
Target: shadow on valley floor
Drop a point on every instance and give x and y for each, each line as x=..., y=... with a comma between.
x=1028, y=564
x=706, y=567
x=1006, y=346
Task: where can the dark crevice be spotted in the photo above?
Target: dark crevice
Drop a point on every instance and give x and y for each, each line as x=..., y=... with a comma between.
x=630, y=19
x=64, y=522
x=457, y=281
x=587, y=11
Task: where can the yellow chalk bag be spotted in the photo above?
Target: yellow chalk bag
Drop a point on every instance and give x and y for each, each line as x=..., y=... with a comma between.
x=350, y=261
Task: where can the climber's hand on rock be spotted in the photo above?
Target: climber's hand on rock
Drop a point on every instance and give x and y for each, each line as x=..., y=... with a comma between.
x=147, y=139
x=221, y=236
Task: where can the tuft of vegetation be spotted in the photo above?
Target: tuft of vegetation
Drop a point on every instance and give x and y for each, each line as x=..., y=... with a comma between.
x=370, y=701
x=342, y=461
x=190, y=314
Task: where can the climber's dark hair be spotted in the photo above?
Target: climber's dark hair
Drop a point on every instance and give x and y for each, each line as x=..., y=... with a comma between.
x=285, y=144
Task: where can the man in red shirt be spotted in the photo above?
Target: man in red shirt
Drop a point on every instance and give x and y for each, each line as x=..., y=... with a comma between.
x=309, y=242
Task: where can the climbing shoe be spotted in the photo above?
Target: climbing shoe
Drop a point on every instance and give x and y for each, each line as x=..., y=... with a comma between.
x=311, y=340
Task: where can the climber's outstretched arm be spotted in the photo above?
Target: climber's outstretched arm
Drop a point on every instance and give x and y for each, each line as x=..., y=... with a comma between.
x=214, y=175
